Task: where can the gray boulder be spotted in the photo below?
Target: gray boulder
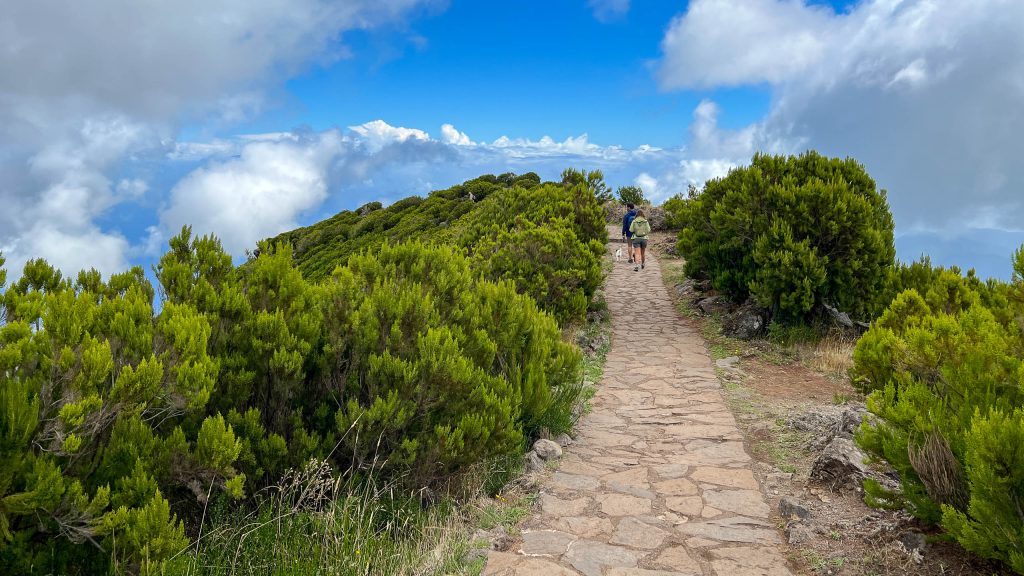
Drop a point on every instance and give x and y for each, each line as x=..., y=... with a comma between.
x=747, y=322
x=532, y=462
x=790, y=508
x=547, y=449
x=713, y=305
x=840, y=464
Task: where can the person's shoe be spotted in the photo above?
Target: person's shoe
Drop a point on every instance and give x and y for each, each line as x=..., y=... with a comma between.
x=641, y=265
x=636, y=268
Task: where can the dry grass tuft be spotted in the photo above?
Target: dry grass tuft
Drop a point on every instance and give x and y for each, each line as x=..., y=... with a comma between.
x=831, y=355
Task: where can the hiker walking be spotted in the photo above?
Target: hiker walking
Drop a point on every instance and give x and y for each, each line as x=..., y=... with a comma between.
x=627, y=233
x=639, y=229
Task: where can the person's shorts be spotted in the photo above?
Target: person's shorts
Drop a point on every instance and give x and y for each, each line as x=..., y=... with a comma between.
x=640, y=243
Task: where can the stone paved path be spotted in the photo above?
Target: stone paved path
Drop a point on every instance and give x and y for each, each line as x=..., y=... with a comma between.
x=658, y=481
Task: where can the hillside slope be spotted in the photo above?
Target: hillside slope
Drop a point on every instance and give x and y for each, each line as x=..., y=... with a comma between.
x=545, y=238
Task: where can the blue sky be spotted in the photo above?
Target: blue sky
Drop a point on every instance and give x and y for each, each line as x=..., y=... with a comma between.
x=527, y=68
x=120, y=124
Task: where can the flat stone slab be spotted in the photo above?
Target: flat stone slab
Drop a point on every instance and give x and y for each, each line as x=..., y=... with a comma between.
x=635, y=534
x=546, y=542
x=624, y=505
x=592, y=558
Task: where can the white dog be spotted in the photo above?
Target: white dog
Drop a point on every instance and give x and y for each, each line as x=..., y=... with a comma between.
x=618, y=254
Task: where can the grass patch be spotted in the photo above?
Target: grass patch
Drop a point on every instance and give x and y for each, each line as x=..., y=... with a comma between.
x=316, y=523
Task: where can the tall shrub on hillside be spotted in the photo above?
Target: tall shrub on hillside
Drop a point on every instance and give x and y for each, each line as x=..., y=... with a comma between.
x=266, y=328
x=791, y=232
x=547, y=262
x=947, y=372
x=547, y=240
x=631, y=195
x=435, y=369
x=96, y=394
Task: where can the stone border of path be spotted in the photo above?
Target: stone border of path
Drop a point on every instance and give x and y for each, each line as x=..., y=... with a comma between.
x=658, y=481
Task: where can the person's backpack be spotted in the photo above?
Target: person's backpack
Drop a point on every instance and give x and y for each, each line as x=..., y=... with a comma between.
x=643, y=227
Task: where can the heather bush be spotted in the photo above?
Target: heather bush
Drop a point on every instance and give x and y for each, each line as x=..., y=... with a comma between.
x=435, y=369
x=102, y=416
x=792, y=232
x=946, y=371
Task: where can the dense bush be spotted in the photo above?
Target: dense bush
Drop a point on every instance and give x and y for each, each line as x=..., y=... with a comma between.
x=945, y=363
x=102, y=415
x=631, y=195
x=792, y=232
x=547, y=241
x=406, y=364
x=435, y=369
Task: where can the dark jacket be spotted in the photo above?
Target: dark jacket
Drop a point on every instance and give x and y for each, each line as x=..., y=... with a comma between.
x=626, y=221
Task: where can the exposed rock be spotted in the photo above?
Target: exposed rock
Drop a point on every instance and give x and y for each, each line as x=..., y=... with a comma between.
x=913, y=541
x=828, y=422
x=798, y=533
x=547, y=449
x=841, y=463
x=840, y=318
x=713, y=305
x=790, y=508
x=747, y=322
x=532, y=462
x=851, y=418
x=687, y=289
x=728, y=362
x=563, y=439
x=474, y=555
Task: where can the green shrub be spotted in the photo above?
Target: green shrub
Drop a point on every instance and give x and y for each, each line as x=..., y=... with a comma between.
x=434, y=368
x=547, y=240
x=631, y=195
x=793, y=232
x=947, y=373
x=546, y=262
x=96, y=396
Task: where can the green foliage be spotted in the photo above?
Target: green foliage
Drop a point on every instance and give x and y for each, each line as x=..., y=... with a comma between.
x=546, y=262
x=486, y=216
x=631, y=195
x=412, y=362
x=94, y=391
x=793, y=232
x=592, y=180
x=945, y=364
x=437, y=369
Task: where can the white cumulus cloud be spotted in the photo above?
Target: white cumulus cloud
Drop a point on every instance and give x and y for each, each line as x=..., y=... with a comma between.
x=86, y=88
x=451, y=135
x=925, y=93
x=257, y=195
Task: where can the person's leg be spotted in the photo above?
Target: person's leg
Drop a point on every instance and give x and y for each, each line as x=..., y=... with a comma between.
x=643, y=254
x=629, y=249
